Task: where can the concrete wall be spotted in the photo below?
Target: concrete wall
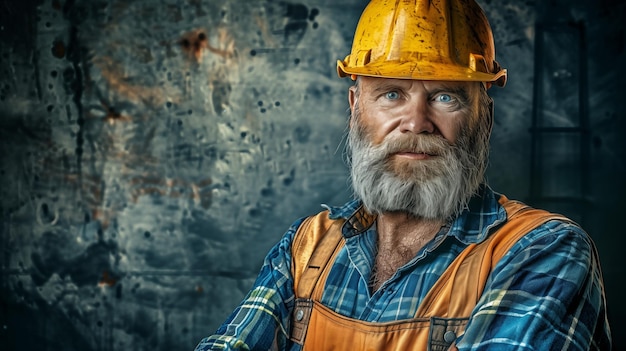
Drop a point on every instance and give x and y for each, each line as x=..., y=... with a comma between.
x=153, y=151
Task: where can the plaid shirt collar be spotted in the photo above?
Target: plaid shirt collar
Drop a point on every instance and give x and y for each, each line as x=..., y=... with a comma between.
x=473, y=225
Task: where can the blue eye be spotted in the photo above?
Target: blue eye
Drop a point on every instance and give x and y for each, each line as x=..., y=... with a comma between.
x=444, y=98
x=392, y=95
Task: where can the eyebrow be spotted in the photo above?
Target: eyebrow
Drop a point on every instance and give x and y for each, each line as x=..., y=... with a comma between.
x=384, y=87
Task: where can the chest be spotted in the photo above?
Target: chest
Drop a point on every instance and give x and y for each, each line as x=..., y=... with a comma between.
x=348, y=288
x=387, y=261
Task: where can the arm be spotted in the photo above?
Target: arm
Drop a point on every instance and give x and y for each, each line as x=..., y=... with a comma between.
x=545, y=294
x=263, y=315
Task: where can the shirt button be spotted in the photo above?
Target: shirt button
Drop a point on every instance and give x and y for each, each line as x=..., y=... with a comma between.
x=449, y=336
x=299, y=315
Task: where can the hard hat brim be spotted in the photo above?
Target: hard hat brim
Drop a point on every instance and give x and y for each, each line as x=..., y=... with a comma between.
x=422, y=71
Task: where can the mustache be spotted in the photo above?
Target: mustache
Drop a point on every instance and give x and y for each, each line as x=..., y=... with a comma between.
x=429, y=144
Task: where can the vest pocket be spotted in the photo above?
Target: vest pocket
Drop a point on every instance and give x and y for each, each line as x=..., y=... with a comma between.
x=444, y=331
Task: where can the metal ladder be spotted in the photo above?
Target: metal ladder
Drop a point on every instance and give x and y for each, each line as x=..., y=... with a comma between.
x=560, y=131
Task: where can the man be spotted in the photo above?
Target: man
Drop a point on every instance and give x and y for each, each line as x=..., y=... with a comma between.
x=427, y=257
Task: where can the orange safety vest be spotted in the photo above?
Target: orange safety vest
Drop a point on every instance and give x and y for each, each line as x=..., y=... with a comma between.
x=441, y=317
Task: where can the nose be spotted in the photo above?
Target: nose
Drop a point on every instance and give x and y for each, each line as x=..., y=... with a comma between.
x=417, y=117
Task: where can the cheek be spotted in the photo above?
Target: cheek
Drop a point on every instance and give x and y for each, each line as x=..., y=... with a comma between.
x=371, y=128
x=363, y=129
x=451, y=126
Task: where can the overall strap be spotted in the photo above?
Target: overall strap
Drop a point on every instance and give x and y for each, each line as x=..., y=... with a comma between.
x=459, y=288
x=315, y=242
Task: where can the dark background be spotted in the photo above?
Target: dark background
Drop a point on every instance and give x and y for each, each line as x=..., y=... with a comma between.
x=152, y=151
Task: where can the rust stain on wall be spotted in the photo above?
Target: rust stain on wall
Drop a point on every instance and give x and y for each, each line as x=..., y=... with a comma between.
x=199, y=192
x=58, y=49
x=107, y=279
x=112, y=115
x=117, y=81
x=196, y=42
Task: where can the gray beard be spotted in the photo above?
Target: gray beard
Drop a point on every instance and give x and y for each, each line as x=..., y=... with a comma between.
x=437, y=188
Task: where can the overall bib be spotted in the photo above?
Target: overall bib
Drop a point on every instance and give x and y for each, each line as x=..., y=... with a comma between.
x=439, y=320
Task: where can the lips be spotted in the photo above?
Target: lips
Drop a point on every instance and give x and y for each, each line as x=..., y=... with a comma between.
x=415, y=150
x=415, y=155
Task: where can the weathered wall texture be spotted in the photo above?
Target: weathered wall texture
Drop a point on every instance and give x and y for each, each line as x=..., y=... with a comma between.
x=152, y=152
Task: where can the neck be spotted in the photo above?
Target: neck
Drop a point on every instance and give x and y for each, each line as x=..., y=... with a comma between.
x=400, y=237
x=400, y=228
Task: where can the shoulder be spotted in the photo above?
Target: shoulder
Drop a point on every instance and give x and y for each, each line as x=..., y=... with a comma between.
x=310, y=229
x=542, y=241
x=557, y=248
x=560, y=233
x=306, y=232
x=543, y=229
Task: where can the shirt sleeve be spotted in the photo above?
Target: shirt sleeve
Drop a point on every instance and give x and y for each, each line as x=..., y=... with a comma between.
x=546, y=293
x=262, y=318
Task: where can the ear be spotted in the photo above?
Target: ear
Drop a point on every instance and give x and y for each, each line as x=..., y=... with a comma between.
x=352, y=100
x=491, y=113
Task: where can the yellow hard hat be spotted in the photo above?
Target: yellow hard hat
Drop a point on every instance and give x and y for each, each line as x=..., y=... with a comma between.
x=425, y=40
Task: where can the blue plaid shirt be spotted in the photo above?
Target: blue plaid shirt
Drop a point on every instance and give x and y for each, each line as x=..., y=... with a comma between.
x=546, y=293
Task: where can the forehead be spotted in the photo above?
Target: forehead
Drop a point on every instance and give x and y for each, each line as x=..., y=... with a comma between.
x=374, y=83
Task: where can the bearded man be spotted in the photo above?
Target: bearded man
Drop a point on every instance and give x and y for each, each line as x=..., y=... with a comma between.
x=418, y=154
x=427, y=256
